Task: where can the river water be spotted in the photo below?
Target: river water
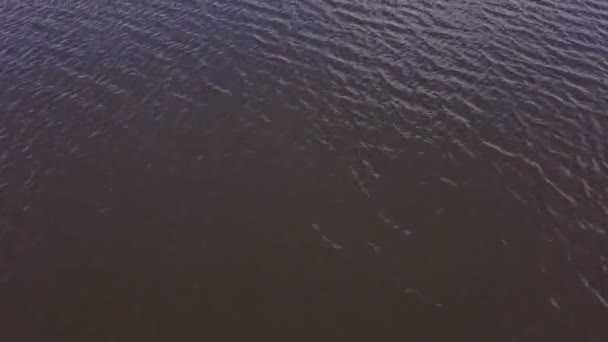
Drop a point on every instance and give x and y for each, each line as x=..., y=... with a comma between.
x=313, y=170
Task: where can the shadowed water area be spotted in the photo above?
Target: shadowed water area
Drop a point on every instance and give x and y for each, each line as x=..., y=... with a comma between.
x=314, y=170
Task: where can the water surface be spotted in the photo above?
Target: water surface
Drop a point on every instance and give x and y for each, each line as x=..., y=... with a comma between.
x=313, y=170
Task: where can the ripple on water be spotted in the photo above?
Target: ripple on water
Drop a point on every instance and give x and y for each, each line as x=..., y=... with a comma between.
x=461, y=142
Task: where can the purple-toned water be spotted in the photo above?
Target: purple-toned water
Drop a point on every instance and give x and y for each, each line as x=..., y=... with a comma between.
x=311, y=170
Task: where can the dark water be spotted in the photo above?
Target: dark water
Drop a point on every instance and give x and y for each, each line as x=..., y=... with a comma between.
x=312, y=170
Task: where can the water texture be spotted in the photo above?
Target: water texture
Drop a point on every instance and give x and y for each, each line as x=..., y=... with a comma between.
x=313, y=170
